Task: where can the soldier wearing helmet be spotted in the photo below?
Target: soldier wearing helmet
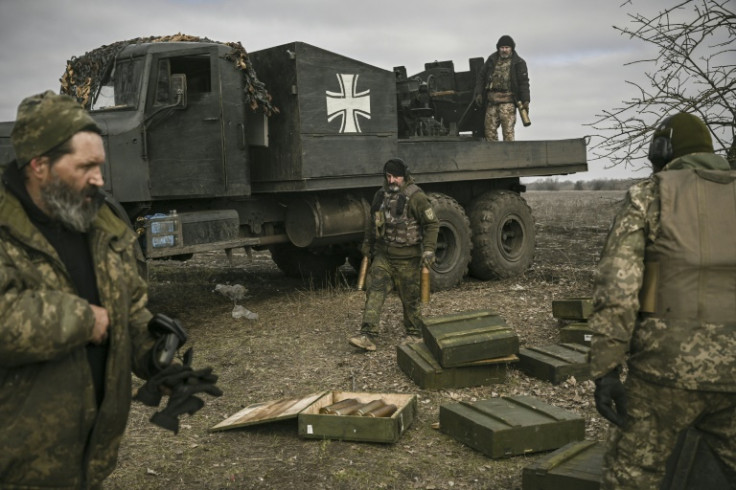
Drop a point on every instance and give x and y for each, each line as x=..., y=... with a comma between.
x=665, y=305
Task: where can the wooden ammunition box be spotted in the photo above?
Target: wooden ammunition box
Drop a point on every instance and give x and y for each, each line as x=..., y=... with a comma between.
x=575, y=466
x=461, y=338
x=419, y=364
x=510, y=426
x=314, y=425
x=555, y=362
x=576, y=333
x=572, y=308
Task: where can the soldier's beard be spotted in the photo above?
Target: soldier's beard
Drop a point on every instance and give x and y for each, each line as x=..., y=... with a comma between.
x=394, y=187
x=70, y=206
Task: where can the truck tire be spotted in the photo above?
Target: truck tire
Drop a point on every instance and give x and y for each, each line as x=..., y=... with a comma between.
x=304, y=264
x=503, y=235
x=453, y=242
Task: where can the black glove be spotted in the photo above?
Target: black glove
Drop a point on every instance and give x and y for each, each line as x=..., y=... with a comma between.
x=183, y=400
x=170, y=335
x=164, y=381
x=609, y=391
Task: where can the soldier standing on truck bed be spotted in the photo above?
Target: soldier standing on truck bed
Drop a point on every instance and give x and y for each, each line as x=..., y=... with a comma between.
x=502, y=82
x=665, y=298
x=400, y=236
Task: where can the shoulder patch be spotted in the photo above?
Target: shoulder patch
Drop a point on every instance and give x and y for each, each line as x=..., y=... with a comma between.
x=429, y=214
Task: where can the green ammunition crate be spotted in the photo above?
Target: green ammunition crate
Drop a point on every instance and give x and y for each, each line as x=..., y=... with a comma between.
x=576, y=333
x=417, y=362
x=572, y=308
x=462, y=338
x=555, y=362
x=575, y=466
x=510, y=426
x=314, y=425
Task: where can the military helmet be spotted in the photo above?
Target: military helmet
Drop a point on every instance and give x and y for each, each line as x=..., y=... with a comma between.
x=676, y=136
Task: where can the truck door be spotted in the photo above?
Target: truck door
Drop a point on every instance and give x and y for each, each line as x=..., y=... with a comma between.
x=184, y=144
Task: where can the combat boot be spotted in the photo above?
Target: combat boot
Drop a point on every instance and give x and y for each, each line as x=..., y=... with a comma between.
x=362, y=341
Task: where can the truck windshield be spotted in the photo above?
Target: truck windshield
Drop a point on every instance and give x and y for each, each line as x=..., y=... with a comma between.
x=120, y=90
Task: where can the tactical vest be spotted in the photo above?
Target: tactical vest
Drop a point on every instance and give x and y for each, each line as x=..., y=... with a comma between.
x=501, y=77
x=399, y=228
x=690, y=270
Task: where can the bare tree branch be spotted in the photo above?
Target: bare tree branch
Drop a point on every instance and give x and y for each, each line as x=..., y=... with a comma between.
x=694, y=71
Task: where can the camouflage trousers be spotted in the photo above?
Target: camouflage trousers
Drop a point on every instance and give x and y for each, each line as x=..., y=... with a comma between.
x=637, y=455
x=384, y=275
x=503, y=115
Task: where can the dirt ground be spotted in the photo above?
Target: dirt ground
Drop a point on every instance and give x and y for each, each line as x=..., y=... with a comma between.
x=298, y=346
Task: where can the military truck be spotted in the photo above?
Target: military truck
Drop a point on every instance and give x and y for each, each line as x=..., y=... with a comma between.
x=201, y=158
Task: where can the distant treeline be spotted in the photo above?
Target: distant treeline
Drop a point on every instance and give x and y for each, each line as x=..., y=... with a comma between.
x=552, y=184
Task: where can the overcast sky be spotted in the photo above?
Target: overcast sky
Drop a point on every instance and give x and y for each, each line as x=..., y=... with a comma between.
x=576, y=59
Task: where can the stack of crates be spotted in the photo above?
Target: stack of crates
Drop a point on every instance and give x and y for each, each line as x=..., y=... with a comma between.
x=573, y=314
x=474, y=348
x=460, y=350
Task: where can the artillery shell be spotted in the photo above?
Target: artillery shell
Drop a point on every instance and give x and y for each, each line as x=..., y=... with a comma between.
x=350, y=409
x=384, y=411
x=331, y=409
x=370, y=406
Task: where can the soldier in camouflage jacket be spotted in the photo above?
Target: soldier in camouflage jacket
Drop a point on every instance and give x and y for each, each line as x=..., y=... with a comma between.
x=65, y=382
x=400, y=236
x=501, y=83
x=665, y=303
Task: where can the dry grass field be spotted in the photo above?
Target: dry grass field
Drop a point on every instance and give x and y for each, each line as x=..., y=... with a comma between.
x=298, y=346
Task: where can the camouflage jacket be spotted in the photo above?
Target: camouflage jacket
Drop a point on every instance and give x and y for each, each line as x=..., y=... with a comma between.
x=419, y=210
x=519, y=77
x=683, y=350
x=52, y=433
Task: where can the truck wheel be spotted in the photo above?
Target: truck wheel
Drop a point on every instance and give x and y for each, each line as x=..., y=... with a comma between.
x=503, y=235
x=303, y=263
x=453, y=242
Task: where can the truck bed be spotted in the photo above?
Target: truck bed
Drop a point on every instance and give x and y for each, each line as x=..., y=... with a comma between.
x=446, y=159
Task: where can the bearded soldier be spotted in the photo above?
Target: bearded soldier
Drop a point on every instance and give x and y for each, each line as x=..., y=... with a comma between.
x=665, y=303
x=400, y=236
x=73, y=317
x=502, y=83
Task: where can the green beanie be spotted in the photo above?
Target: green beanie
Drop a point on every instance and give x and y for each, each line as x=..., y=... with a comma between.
x=45, y=121
x=689, y=134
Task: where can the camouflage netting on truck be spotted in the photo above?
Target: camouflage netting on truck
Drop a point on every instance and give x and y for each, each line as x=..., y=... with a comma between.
x=85, y=73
